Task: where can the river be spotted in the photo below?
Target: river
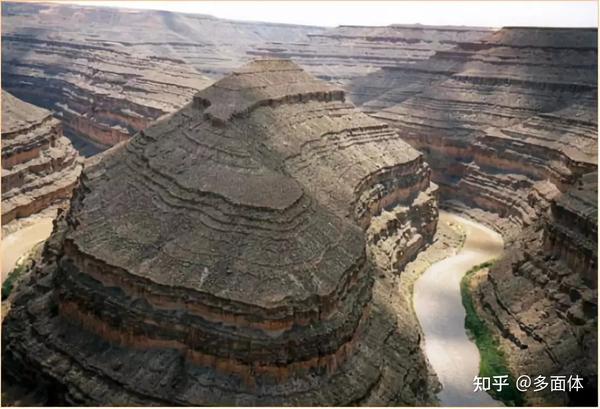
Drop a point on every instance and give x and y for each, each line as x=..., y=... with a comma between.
x=19, y=243
x=438, y=305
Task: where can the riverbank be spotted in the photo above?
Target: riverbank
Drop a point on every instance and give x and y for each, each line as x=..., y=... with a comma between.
x=493, y=360
x=438, y=306
x=447, y=241
x=20, y=242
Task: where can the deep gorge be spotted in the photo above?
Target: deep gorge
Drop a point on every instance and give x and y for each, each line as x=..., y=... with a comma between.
x=218, y=171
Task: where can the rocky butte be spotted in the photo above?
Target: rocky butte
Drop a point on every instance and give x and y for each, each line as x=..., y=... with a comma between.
x=507, y=119
x=510, y=128
x=224, y=256
x=39, y=165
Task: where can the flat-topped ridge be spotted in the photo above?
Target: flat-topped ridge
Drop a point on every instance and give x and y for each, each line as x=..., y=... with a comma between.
x=263, y=82
x=234, y=230
x=18, y=115
x=545, y=37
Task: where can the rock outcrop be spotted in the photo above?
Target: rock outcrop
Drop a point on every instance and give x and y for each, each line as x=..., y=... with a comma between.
x=102, y=93
x=543, y=295
x=517, y=109
x=509, y=126
x=110, y=72
x=39, y=165
x=345, y=53
x=507, y=119
x=221, y=257
x=444, y=51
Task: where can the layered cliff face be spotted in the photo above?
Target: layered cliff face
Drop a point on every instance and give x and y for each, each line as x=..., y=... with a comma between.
x=518, y=109
x=444, y=51
x=543, y=295
x=346, y=53
x=110, y=72
x=39, y=165
x=103, y=93
x=509, y=126
x=223, y=256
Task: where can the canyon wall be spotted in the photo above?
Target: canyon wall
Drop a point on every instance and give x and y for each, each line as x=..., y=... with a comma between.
x=509, y=127
x=542, y=295
x=497, y=117
x=102, y=93
x=39, y=165
x=110, y=72
x=507, y=120
x=223, y=256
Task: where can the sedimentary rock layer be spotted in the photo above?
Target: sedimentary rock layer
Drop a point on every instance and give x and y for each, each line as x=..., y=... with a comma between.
x=344, y=53
x=110, y=72
x=39, y=165
x=220, y=257
x=101, y=94
x=519, y=108
x=509, y=126
x=543, y=295
x=448, y=48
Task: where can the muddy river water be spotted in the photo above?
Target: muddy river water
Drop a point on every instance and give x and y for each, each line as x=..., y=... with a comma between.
x=438, y=305
x=19, y=243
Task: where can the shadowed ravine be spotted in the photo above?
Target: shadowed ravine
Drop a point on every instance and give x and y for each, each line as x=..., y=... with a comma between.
x=437, y=300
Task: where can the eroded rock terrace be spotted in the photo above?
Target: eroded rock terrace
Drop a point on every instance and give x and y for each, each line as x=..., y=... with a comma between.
x=509, y=126
x=110, y=72
x=497, y=116
x=222, y=257
x=39, y=165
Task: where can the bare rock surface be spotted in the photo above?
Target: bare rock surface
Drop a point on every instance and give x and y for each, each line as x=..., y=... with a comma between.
x=110, y=72
x=507, y=119
x=221, y=257
x=344, y=53
x=39, y=165
x=543, y=295
x=517, y=110
x=101, y=91
x=509, y=126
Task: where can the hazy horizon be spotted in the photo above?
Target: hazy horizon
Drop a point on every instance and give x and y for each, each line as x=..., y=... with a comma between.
x=382, y=13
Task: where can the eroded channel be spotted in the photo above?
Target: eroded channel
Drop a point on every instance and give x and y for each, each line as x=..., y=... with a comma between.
x=437, y=301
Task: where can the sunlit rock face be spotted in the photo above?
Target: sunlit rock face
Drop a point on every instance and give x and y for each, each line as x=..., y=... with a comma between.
x=543, y=294
x=39, y=165
x=110, y=72
x=101, y=89
x=509, y=126
x=224, y=256
x=496, y=117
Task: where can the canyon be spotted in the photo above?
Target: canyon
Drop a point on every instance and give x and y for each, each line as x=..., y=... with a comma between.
x=222, y=256
x=110, y=72
x=439, y=308
x=509, y=128
x=254, y=193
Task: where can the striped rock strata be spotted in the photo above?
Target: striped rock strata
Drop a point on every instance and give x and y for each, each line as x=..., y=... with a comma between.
x=543, y=295
x=225, y=256
x=109, y=72
x=498, y=118
x=510, y=128
x=103, y=94
x=39, y=165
